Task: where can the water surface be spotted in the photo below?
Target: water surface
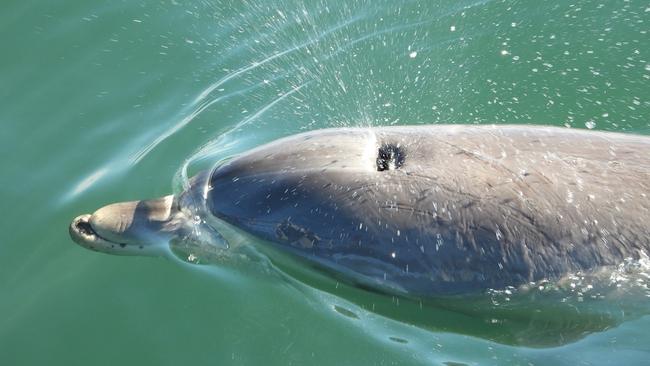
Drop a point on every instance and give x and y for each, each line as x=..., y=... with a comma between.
x=103, y=101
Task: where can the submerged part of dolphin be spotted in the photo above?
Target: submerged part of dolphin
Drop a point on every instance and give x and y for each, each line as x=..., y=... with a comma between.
x=424, y=211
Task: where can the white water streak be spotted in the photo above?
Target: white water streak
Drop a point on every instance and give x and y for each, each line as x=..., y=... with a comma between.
x=204, y=105
x=257, y=64
x=138, y=156
x=207, y=149
x=405, y=26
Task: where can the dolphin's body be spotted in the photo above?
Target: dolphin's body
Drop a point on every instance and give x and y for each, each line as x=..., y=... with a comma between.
x=424, y=211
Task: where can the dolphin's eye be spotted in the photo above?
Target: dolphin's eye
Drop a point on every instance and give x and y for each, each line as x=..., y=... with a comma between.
x=390, y=156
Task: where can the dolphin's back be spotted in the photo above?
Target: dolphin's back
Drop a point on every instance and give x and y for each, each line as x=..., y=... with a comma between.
x=444, y=209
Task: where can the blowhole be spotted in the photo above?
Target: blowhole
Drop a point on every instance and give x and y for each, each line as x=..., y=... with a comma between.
x=389, y=157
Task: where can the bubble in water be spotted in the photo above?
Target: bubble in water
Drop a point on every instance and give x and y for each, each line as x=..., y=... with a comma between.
x=590, y=124
x=413, y=54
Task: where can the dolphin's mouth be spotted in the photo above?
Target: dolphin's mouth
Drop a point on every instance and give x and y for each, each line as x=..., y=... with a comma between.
x=128, y=228
x=82, y=232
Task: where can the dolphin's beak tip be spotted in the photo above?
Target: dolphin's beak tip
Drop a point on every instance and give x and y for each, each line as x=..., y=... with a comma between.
x=80, y=230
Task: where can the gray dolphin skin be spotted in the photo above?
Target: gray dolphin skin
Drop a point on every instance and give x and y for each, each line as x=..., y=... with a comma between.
x=417, y=210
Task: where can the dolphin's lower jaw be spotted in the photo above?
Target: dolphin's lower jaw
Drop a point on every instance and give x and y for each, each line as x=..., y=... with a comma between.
x=129, y=228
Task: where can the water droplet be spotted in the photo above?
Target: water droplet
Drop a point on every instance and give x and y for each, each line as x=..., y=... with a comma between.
x=569, y=197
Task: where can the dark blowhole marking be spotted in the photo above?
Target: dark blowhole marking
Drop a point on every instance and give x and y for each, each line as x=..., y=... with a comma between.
x=390, y=156
x=122, y=245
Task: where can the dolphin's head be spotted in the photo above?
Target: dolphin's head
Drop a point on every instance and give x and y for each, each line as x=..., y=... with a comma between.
x=156, y=227
x=128, y=228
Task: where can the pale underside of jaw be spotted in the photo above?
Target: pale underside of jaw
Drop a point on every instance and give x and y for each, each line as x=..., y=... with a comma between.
x=83, y=234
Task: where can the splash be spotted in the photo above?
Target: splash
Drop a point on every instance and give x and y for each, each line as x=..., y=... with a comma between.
x=224, y=142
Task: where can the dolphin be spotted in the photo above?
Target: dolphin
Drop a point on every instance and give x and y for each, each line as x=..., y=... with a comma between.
x=414, y=210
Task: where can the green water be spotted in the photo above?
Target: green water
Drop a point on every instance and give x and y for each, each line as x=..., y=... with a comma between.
x=103, y=101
